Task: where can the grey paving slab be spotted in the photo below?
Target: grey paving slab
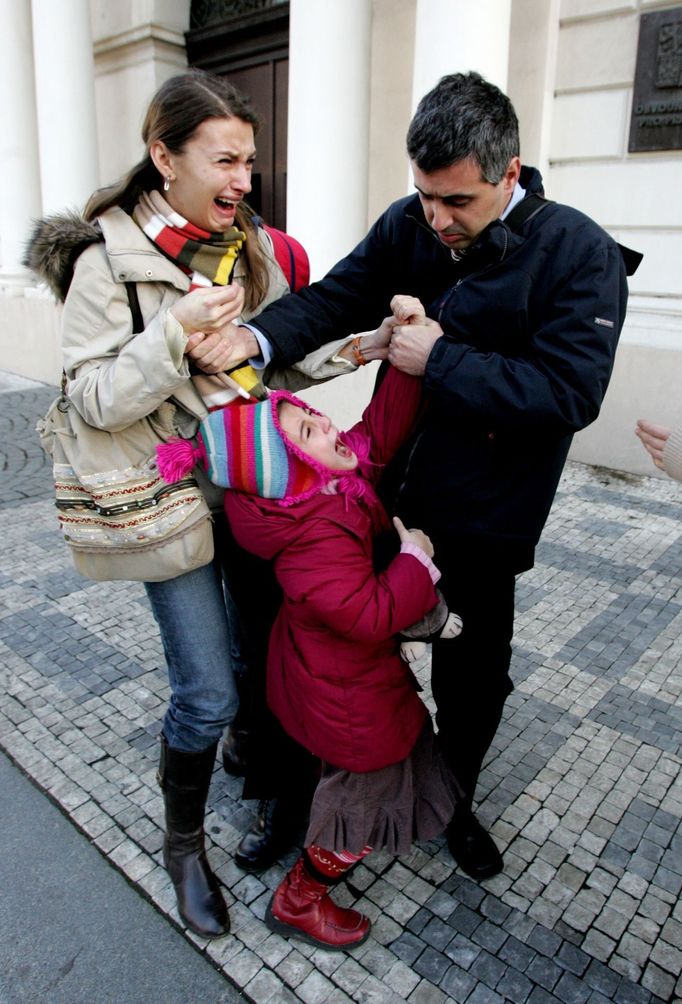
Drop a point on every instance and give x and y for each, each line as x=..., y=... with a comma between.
x=582, y=789
x=73, y=930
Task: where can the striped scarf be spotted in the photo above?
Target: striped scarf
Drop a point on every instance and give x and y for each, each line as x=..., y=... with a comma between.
x=209, y=260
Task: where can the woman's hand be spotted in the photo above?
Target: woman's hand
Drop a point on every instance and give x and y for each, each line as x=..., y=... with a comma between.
x=209, y=308
x=374, y=344
x=653, y=438
x=413, y=536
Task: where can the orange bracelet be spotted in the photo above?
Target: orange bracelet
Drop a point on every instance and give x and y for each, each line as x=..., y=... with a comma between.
x=357, y=351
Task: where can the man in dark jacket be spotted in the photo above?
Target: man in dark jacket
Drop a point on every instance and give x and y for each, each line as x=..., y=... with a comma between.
x=525, y=301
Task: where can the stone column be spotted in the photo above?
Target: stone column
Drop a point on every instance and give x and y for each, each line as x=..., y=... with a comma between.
x=457, y=37
x=20, y=188
x=329, y=96
x=65, y=98
x=532, y=75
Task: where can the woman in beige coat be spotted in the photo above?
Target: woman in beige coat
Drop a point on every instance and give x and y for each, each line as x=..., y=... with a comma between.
x=175, y=227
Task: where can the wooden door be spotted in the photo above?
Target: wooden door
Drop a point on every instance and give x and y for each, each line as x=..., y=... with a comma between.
x=267, y=85
x=252, y=51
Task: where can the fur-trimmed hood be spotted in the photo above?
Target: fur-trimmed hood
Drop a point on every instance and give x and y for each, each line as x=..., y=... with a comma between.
x=54, y=246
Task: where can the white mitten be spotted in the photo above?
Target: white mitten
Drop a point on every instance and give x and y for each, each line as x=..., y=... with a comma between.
x=412, y=651
x=452, y=627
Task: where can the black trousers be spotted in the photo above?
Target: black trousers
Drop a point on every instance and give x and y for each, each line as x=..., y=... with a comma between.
x=277, y=766
x=470, y=674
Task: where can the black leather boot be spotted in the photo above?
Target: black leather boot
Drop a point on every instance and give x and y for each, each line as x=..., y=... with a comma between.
x=271, y=835
x=184, y=779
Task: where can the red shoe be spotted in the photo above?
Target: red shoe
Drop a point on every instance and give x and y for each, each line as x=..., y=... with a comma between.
x=302, y=908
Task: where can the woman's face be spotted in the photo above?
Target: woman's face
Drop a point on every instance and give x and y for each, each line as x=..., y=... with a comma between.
x=212, y=174
x=316, y=436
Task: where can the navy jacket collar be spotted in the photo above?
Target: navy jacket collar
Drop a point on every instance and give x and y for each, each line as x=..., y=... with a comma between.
x=497, y=240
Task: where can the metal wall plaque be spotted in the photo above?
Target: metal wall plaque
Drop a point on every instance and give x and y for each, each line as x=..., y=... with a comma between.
x=656, y=122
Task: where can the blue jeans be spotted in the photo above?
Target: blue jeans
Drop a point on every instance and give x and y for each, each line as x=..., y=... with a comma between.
x=197, y=621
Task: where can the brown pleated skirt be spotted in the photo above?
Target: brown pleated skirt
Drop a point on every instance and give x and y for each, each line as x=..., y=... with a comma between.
x=384, y=809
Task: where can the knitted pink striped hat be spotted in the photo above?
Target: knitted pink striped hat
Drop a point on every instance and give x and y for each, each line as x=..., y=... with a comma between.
x=243, y=446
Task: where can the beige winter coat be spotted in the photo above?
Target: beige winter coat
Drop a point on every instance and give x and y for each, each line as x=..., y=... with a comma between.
x=116, y=377
x=672, y=454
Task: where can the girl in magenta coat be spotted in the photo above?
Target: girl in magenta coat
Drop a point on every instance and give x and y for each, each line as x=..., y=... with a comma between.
x=306, y=501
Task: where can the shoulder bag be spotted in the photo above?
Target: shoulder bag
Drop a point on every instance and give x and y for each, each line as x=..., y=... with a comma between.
x=120, y=519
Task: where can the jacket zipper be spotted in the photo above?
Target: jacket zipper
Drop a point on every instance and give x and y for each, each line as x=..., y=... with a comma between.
x=446, y=299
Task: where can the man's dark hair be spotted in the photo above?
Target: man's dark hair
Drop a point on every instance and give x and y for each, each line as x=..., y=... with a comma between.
x=464, y=116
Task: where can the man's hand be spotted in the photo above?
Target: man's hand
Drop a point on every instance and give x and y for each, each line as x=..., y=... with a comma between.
x=407, y=309
x=411, y=346
x=222, y=350
x=654, y=438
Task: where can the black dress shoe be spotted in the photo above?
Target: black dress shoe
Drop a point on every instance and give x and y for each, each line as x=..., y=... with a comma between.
x=269, y=837
x=234, y=751
x=472, y=847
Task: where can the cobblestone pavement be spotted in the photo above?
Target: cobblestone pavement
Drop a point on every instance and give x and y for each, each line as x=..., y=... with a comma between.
x=582, y=790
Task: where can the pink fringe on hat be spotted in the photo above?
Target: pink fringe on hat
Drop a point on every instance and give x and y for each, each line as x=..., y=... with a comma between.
x=177, y=458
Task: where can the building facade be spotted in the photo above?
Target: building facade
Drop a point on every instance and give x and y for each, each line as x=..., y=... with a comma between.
x=336, y=82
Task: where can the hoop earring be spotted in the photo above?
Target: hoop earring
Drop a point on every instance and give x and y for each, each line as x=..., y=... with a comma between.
x=167, y=183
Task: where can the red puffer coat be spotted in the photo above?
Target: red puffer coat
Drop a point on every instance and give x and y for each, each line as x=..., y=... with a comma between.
x=335, y=677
